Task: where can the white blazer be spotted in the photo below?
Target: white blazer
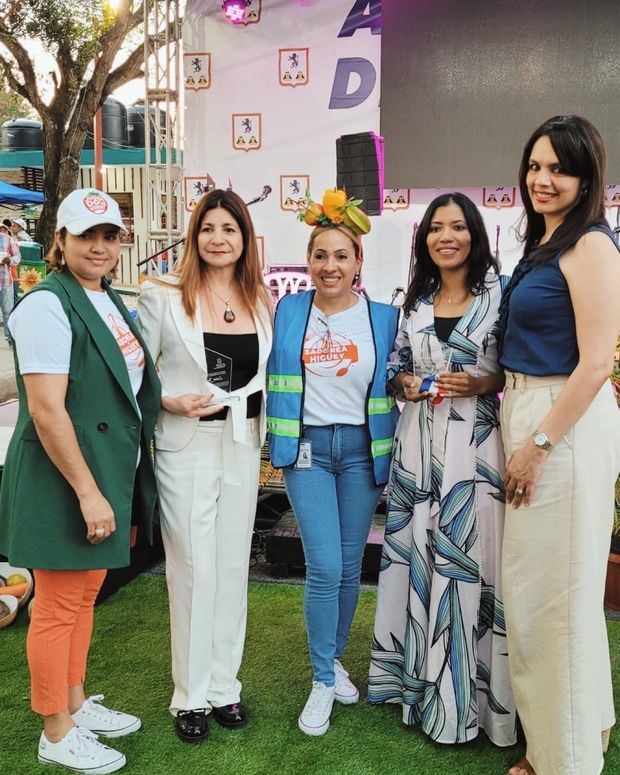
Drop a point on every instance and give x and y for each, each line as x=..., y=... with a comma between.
x=176, y=344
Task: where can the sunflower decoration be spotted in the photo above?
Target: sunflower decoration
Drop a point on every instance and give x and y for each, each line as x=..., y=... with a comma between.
x=28, y=278
x=335, y=209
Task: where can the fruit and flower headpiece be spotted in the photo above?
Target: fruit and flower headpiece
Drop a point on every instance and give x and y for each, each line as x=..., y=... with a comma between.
x=335, y=210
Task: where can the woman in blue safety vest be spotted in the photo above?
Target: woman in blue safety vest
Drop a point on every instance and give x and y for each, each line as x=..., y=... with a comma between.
x=331, y=426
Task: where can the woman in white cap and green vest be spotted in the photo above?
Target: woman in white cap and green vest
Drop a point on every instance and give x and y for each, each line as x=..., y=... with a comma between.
x=88, y=401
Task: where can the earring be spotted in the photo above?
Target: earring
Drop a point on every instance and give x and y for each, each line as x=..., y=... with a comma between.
x=356, y=278
x=62, y=258
x=584, y=190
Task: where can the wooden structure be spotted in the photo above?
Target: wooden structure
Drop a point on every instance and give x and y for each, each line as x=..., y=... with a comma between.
x=124, y=178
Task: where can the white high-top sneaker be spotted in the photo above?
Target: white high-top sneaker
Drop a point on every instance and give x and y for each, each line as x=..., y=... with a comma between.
x=346, y=691
x=103, y=721
x=80, y=751
x=314, y=718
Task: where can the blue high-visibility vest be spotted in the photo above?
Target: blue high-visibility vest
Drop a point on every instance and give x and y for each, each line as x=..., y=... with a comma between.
x=286, y=383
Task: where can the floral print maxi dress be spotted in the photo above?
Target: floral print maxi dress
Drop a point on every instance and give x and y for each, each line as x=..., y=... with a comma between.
x=439, y=644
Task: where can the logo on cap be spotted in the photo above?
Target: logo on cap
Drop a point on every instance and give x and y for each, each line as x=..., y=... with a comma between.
x=95, y=203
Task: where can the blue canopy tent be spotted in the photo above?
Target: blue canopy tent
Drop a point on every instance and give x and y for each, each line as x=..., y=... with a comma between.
x=14, y=195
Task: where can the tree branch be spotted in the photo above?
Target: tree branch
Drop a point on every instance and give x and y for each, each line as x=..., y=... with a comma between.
x=9, y=12
x=132, y=67
x=28, y=89
x=66, y=65
x=127, y=71
x=137, y=17
x=91, y=95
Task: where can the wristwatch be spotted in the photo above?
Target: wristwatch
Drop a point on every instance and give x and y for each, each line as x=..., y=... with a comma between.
x=541, y=440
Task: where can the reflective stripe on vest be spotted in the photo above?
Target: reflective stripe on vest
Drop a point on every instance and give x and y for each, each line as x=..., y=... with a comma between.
x=285, y=383
x=381, y=447
x=381, y=405
x=281, y=427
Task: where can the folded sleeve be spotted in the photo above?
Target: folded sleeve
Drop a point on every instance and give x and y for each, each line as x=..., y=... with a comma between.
x=42, y=334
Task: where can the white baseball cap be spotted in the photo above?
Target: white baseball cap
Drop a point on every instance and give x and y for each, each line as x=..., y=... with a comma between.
x=20, y=222
x=87, y=207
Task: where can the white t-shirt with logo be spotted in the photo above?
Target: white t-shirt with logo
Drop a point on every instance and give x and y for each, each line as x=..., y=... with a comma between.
x=339, y=360
x=43, y=336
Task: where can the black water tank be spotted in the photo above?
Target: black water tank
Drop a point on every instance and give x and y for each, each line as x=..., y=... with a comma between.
x=135, y=124
x=22, y=134
x=114, y=125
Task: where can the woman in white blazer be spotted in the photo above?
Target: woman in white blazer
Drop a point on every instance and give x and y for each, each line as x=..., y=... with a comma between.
x=208, y=328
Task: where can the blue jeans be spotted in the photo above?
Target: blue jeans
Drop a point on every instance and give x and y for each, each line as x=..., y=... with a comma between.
x=334, y=501
x=6, y=306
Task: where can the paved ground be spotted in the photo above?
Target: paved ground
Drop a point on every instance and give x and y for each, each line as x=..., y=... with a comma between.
x=8, y=386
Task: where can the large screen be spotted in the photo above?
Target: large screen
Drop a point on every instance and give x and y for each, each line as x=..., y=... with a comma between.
x=465, y=82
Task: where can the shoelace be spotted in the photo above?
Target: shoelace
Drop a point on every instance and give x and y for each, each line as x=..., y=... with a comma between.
x=84, y=741
x=319, y=700
x=94, y=704
x=96, y=699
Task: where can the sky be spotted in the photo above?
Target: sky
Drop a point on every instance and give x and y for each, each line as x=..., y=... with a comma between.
x=44, y=62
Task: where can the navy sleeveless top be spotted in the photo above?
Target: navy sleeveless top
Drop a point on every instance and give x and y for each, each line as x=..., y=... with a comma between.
x=540, y=337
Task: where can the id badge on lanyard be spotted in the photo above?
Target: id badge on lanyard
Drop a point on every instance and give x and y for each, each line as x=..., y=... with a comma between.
x=304, y=459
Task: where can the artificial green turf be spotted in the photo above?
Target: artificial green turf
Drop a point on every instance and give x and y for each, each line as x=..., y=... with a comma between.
x=130, y=663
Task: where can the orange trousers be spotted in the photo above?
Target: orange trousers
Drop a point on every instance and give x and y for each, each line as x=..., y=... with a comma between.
x=59, y=635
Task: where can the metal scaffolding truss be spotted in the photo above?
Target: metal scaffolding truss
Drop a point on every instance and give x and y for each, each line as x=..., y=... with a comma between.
x=162, y=120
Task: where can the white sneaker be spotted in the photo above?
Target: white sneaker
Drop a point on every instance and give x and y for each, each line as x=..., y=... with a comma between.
x=80, y=751
x=314, y=718
x=103, y=721
x=346, y=691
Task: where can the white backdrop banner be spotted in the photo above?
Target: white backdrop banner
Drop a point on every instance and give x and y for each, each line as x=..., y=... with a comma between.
x=265, y=102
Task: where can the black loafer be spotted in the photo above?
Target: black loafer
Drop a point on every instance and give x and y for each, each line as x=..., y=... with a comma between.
x=232, y=716
x=191, y=725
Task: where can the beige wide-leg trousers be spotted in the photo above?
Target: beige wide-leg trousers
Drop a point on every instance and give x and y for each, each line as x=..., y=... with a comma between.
x=554, y=565
x=207, y=531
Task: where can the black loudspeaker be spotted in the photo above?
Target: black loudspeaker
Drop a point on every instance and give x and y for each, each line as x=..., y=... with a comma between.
x=359, y=161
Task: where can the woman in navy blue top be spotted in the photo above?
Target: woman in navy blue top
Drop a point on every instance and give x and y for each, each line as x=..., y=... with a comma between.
x=560, y=319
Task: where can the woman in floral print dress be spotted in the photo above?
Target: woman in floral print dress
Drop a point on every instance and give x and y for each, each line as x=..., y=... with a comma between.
x=439, y=645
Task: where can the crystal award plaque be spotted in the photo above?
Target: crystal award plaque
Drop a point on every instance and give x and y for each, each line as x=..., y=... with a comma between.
x=219, y=368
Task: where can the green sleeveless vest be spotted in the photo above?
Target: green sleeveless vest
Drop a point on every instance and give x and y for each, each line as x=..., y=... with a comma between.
x=41, y=525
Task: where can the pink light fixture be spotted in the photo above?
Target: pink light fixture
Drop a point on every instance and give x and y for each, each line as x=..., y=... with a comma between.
x=234, y=10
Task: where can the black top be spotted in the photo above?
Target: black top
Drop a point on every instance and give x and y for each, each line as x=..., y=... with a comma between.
x=232, y=362
x=445, y=326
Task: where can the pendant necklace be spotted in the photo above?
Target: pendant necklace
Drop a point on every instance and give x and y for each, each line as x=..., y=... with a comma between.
x=229, y=315
x=450, y=299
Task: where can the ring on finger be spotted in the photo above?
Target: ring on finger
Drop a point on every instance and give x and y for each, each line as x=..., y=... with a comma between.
x=519, y=491
x=99, y=532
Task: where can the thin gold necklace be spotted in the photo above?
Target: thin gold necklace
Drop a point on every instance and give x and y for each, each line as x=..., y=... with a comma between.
x=229, y=315
x=450, y=299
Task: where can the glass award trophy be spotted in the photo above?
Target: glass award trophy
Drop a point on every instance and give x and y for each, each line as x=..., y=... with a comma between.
x=219, y=368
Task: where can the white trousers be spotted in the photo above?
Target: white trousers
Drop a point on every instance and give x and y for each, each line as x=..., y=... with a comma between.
x=207, y=531
x=554, y=563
